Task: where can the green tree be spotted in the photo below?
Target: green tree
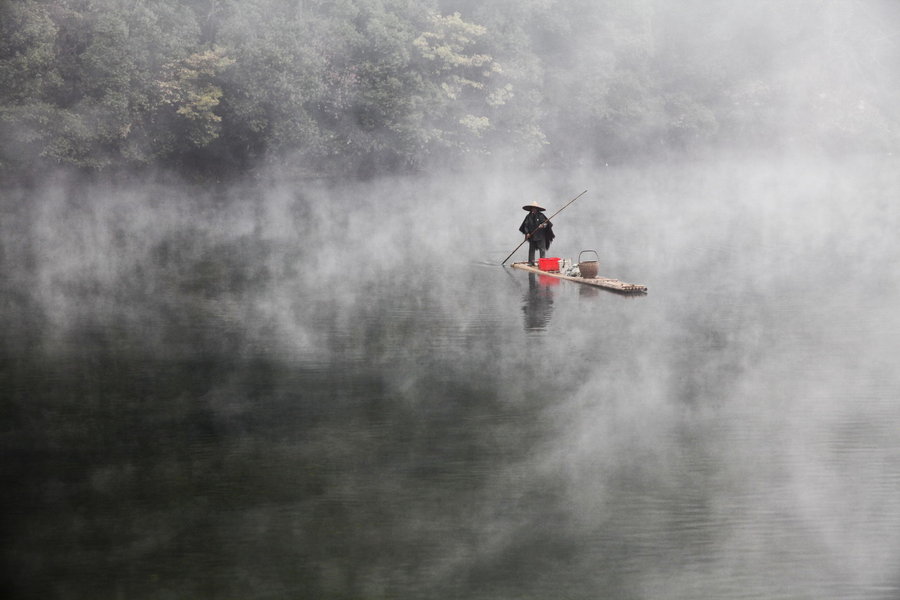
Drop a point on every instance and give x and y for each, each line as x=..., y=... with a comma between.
x=462, y=76
x=27, y=53
x=188, y=87
x=81, y=80
x=28, y=74
x=382, y=122
x=277, y=76
x=67, y=106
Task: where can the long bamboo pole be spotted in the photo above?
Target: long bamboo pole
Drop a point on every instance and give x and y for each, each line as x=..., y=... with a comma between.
x=542, y=224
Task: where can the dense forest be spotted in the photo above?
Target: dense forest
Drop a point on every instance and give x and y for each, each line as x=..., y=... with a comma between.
x=371, y=86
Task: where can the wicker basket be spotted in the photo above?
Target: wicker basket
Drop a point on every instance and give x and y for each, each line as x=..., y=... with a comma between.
x=588, y=268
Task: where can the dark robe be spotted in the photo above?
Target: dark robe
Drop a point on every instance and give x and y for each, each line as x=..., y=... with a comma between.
x=544, y=234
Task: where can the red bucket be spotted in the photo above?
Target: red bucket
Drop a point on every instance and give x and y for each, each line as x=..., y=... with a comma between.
x=548, y=264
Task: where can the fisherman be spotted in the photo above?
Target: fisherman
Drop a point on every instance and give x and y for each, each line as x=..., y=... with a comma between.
x=538, y=231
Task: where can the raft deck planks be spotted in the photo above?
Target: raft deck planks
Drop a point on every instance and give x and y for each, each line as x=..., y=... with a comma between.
x=602, y=282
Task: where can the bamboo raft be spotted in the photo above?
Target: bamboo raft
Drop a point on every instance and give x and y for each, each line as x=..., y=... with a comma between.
x=601, y=282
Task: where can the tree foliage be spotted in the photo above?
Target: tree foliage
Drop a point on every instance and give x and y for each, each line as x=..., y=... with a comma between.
x=188, y=87
x=366, y=86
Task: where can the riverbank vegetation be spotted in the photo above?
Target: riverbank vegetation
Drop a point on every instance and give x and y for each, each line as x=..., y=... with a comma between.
x=372, y=86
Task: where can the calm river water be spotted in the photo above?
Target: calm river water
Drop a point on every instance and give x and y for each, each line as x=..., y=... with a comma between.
x=302, y=391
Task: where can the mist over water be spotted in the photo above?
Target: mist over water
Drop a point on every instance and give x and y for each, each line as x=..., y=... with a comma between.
x=310, y=389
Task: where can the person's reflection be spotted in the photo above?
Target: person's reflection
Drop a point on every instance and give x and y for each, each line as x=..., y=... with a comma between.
x=538, y=302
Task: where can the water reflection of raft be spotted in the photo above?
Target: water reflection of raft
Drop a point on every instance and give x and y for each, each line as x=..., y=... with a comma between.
x=601, y=282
